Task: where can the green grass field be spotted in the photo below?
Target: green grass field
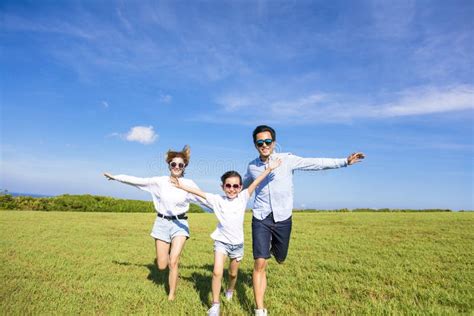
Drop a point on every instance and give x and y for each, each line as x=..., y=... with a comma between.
x=339, y=263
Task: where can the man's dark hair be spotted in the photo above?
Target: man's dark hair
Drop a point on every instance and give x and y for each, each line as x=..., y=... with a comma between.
x=230, y=174
x=263, y=128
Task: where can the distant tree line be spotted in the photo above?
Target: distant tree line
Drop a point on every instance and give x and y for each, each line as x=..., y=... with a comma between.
x=95, y=203
x=79, y=203
x=342, y=210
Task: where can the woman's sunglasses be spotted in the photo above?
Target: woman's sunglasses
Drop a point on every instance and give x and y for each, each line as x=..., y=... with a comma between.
x=235, y=186
x=267, y=142
x=174, y=164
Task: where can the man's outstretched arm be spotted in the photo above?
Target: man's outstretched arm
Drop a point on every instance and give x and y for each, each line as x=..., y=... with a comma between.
x=299, y=163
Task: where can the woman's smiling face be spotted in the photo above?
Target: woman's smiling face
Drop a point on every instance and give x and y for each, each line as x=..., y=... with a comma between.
x=177, y=167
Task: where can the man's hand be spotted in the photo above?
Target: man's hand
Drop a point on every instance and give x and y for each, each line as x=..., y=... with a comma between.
x=109, y=176
x=355, y=158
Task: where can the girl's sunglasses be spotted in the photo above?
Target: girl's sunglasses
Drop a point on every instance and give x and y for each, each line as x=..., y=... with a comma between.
x=174, y=164
x=267, y=142
x=235, y=186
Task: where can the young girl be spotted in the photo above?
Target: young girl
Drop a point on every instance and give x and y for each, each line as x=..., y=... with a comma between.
x=229, y=234
x=171, y=228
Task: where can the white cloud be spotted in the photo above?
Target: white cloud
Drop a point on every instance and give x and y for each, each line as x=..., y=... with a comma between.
x=444, y=56
x=12, y=22
x=316, y=106
x=115, y=135
x=233, y=102
x=428, y=100
x=124, y=20
x=142, y=134
x=165, y=98
x=182, y=46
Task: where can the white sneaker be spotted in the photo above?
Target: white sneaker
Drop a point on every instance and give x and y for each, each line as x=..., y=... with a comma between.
x=261, y=312
x=214, y=310
x=228, y=295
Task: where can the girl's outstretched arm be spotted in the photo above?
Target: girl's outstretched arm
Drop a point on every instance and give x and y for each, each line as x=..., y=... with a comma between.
x=272, y=165
x=194, y=191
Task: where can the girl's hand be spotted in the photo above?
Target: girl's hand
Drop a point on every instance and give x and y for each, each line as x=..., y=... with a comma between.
x=274, y=164
x=109, y=176
x=174, y=181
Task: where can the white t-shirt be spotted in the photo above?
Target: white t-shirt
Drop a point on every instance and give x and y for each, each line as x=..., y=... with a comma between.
x=168, y=199
x=230, y=213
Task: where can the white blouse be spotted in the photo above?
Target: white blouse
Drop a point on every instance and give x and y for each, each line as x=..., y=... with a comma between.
x=168, y=199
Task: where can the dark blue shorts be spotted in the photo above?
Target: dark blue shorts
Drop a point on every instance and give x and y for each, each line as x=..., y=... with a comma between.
x=270, y=237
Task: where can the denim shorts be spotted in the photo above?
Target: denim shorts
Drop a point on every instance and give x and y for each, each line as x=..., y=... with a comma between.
x=232, y=251
x=166, y=230
x=270, y=237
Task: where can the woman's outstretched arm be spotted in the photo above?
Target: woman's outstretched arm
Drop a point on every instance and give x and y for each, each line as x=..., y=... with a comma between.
x=141, y=183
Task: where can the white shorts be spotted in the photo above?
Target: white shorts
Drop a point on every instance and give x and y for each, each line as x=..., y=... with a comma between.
x=167, y=229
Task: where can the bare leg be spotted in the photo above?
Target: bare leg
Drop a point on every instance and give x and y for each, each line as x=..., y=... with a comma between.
x=219, y=259
x=259, y=279
x=177, y=245
x=162, y=254
x=233, y=271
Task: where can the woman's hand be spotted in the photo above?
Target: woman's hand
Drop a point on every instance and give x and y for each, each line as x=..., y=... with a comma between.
x=109, y=176
x=274, y=163
x=355, y=158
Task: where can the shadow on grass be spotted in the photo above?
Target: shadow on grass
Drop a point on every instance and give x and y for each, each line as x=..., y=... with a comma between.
x=202, y=284
x=244, y=282
x=202, y=280
x=160, y=278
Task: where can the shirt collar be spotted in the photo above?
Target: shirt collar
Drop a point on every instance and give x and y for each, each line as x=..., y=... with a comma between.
x=260, y=162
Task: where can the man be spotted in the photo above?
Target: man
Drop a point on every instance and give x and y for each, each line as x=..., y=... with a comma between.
x=271, y=221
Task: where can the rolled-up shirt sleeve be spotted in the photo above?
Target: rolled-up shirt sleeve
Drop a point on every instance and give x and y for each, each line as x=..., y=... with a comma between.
x=247, y=181
x=308, y=164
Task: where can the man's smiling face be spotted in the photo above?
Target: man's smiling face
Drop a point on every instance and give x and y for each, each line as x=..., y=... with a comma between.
x=264, y=144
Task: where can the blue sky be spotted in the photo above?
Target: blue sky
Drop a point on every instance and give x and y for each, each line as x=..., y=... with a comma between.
x=94, y=86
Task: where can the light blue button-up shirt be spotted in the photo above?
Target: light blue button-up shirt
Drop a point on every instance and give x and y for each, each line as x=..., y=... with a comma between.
x=275, y=192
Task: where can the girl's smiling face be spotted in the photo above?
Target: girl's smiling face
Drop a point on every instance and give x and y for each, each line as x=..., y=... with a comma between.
x=232, y=187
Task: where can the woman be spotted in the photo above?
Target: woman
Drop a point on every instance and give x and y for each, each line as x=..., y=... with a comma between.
x=171, y=228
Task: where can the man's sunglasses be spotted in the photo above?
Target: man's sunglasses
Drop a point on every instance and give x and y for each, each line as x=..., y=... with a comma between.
x=174, y=164
x=235, y=186
x=267, y=142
